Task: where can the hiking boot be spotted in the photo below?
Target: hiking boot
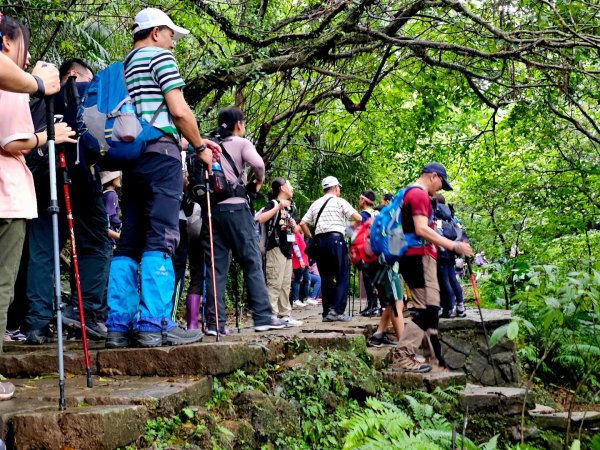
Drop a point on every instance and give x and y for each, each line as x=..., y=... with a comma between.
x=96, y=331
x=274, y=324
x=223, y=331
x=7, y=390
x=298, y=304
x=291, y=322
x=175, y=336
x=461, y=311
x=39, y=336
x=330, y=317
x=117, y=339
x=409, y=364
x=380, y=341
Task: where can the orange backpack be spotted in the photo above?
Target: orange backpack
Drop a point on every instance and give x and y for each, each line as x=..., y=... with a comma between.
x=360, y=246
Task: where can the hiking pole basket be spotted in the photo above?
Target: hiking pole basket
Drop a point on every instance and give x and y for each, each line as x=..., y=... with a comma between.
x=75, y=264
x=478, y=303
x=212, y=256
x=54, y=209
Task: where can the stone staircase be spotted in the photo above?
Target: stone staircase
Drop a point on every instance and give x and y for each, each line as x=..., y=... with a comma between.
x=133, y=385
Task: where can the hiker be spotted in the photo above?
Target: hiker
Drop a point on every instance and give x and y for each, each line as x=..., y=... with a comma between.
x=385, y=200
x=111, y=181
x=280, y=226
x=233, y=229
x=328, y=215
x=17, y=191
x=89, y=222
x=365, y=203
x=301, y=274
x=451, y=296
x=389, y=291
x=419, y=270
x=152, y=191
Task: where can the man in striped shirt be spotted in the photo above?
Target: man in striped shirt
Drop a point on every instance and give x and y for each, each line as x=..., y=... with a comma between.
x=332, y=252
x=152, y=191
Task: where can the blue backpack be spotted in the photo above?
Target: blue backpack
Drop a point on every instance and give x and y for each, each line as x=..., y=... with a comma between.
x=108, y=124
x=388, y=240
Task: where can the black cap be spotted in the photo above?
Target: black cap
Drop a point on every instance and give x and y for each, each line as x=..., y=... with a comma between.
x=435, y=167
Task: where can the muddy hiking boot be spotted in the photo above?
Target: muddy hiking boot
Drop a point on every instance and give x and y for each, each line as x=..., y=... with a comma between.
x=175, y=336
x=118, y=339
x=39, y=336
x=408, y=364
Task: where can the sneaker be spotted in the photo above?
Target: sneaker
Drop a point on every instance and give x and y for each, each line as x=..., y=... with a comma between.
x=7, y=390
x=274, y=324
x=175, y=336
x=224, y=331
x=344, y=318
x=298, y=304
x=117, y=339
x=380, y=341
x=319, y=300
x=96, y=331
x=330, y=317
x=311, y=301
x=461, y=311
x=16, y=335
x=408, y=364
x=39, y=336
x=291, y=322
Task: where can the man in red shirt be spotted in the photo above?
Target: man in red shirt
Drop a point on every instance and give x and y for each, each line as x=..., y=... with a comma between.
x=419, y=270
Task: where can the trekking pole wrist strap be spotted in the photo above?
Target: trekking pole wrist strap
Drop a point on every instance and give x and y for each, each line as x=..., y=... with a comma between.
x=41, y=90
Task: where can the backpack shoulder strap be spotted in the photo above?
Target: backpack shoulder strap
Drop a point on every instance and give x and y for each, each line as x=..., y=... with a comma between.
x=320, y=211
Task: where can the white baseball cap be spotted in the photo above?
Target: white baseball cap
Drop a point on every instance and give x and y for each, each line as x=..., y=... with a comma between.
x=330, y=182
x=152, y=17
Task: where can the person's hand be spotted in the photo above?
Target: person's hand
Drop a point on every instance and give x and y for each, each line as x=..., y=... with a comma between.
x=211, y=154
x=284, y=203
x=292, y=224
x=464, y=249
x=48, y=73
x=302, y=265
x=63, y=133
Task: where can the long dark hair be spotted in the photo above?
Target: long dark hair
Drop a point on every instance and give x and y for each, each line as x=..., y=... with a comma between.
x=14, y=30
x=227, y=119
x=276, y=186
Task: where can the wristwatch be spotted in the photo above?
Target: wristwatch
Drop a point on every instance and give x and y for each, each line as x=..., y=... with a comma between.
x=200, y=149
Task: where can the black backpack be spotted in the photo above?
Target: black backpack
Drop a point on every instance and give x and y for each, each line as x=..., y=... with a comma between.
x=445, y=225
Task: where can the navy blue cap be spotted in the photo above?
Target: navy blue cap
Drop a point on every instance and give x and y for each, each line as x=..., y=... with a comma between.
x=435, y=167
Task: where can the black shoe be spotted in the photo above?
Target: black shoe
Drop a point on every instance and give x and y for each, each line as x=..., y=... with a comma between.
x=117, y=339
x=95, y=331
x=39, y=336
x=380, y=341
x=176, y=336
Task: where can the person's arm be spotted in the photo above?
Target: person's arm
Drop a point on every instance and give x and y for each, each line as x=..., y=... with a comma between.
x=15, y=79
x=422, y=230
x=305, y=229
x=185, y=121
x=113, y=234
x=63, y=133
x=269, y=214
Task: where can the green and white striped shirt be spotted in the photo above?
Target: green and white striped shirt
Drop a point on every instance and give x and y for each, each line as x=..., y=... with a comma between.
x=151, y=72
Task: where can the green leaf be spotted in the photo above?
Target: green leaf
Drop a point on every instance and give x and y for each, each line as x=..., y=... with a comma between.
x=498, y=334
x=513, y=330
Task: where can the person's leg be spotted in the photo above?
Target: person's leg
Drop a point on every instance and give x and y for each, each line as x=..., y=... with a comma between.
x=179, y=264
x=326, y=268
x=446, y=293
x=12, y=236
x=274, y=269
x=296, y=280
x=17, y=311
x=342, y=275
x=240, y=227
x=306, y=283
x=315, y=280
x=456, y=289
x=283, y=302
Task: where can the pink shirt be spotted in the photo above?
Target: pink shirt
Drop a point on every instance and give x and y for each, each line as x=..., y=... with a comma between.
x=17, y=192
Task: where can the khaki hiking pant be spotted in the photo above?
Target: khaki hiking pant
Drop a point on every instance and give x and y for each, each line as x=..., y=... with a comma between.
x=12, y=237
x=279, y=281
x=420, y=274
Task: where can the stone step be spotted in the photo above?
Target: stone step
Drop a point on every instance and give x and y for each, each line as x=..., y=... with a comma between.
x=126, y=402
x=560, y=420
x=424, y=381
x=502, y=400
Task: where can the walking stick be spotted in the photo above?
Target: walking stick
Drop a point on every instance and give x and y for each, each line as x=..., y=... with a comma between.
x=53, y=209
x=477, y=302
x=75, y=263
x=236, y=297
x=212, y=257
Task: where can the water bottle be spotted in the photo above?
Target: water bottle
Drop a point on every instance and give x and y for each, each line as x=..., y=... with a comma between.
x=218, y=177
x=127, y=126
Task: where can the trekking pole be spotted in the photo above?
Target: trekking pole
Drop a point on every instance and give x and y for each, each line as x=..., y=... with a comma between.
x=53, y=209
x=236, y=298
x=203, y=302
x=75, y=263
x=478, y=303
x=212, y=257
